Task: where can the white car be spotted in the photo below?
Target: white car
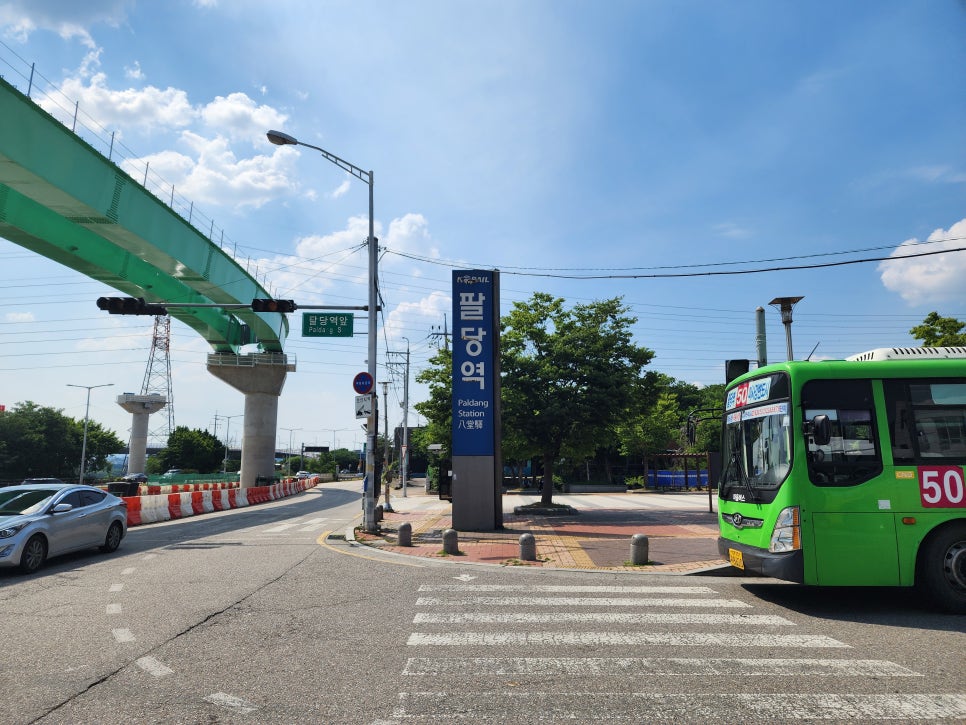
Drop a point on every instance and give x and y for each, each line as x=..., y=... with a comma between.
x=48, y=519
x=304, y=474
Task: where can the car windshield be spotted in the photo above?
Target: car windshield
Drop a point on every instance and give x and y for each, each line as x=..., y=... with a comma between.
x=757, y=446
x=24, y=501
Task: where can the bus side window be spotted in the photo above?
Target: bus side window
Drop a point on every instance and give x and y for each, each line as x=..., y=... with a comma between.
x=927, y=419
x=852, y=454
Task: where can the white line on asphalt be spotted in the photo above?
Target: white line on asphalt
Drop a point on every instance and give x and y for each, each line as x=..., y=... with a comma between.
x=574, y=589
x=756, y=620
x=116, y=587
x=113, y=609
x=278, y=529
x=645, y=666
x=230, y=701
x=671, y=639
x=577, y=602
x=122, y=635
x=127, y=572
x=683, y=707
x=154, y=667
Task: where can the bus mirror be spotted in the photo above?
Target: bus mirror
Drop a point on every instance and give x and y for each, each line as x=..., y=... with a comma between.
x=821, y=430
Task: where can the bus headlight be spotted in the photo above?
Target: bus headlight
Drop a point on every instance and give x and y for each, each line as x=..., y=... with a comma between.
x=787, y=535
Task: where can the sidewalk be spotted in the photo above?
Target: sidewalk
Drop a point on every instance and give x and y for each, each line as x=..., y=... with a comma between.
x=682, y=539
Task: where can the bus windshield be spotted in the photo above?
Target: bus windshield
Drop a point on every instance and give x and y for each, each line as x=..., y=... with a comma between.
x=757, y=447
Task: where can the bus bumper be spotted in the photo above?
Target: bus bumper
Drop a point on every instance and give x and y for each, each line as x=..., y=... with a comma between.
x=789, y=566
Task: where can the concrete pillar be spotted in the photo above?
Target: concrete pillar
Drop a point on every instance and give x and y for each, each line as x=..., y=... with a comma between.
x=260, y=377
x=140, y=407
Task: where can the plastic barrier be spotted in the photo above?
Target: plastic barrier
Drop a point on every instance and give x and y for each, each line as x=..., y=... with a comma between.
x=177, y=505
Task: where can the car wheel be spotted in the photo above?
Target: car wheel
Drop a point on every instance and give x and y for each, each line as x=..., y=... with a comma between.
x=34, y=553
x=113, y=538
x=942, y=568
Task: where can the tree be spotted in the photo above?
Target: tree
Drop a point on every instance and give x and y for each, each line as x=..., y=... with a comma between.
x=567, y=376
x=38, y=441
x=936, y=331
x=438, y=410
x=194, y=450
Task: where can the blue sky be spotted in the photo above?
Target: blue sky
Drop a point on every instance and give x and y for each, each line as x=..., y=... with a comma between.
x=586, y=149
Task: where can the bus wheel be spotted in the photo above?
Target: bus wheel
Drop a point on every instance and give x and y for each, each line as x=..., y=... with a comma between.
x=942, y=568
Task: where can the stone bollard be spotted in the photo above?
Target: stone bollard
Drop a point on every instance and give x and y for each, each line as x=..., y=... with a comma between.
x=528, y=547
x=638, y=549
x=378, y=516
x=406, y=534
x=451, y=543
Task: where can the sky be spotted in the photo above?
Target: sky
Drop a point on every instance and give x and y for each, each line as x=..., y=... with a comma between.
x=697, y=159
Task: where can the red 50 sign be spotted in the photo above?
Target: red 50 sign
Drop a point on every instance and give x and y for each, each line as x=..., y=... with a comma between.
x=942, y=487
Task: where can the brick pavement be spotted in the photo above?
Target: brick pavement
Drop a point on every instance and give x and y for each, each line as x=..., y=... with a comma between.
x=680, y=541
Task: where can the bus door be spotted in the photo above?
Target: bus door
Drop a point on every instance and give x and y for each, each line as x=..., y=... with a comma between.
x=853, y=533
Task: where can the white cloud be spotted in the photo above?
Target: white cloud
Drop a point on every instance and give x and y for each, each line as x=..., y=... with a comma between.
x=422, y=313
x=143, y=108
x=926, y=280
x=340, y=190
x=20, y=18
x=19, y=317
x=238, y=117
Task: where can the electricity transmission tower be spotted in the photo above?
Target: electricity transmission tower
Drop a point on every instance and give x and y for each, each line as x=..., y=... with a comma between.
x=157, y=380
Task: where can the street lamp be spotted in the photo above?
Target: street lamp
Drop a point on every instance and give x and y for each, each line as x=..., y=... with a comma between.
x=87, y=409
x=785, y=305
x=227, y=437
x=369, y=502
x=288, y=463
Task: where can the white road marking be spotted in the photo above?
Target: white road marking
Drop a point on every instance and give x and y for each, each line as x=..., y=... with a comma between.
x=575, y=589
x=127, y=572
x=578, y=602
x=116, y=587
x=123, y=635
x=645, y=666
x=462, y=578
x=113, y=609
x=685, y=707
x=755, y=620
x=154, y=667
x=231, y=702
x=617, y=639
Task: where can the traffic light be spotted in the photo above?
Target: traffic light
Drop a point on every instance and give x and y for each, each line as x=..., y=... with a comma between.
x=259, y=305
x=129, y=306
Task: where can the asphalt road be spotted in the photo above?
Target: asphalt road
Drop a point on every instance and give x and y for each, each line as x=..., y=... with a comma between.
x=249, y=616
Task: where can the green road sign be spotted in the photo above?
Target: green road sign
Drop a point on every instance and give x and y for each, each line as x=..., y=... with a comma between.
x=327, y=324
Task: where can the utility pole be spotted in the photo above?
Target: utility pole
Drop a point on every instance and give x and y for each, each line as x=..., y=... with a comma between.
x=404, y=457
x=444, y=333
x=385, y=455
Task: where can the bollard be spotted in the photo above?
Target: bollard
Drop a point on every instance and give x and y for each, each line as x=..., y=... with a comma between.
x=378, y=516
x=405, y=534
x=528, y=547
x=451, y=544
x=638, y=549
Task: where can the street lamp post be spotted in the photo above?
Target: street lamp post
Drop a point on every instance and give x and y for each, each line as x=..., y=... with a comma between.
x=369, y=502
x=87, y=409
x=227, y=438
x=288, y=462
x=785, y=305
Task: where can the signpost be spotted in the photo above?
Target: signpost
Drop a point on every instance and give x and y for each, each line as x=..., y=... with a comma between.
x=327, y=324
x=362, y=383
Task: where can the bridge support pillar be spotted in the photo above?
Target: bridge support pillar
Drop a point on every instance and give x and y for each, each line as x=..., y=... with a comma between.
x=140, y=407
x=260, y=377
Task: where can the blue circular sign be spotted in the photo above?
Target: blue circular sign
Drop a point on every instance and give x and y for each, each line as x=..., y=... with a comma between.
x=362, y=383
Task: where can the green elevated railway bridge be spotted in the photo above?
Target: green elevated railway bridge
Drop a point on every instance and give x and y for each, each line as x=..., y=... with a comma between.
x=61, y=198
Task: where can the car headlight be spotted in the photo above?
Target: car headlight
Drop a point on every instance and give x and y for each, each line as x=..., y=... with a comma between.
x=9, y=531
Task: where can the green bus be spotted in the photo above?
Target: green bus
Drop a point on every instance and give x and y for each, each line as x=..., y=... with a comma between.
x=850, y=472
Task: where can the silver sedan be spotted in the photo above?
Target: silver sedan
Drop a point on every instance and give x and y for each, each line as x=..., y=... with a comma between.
x=43, y=520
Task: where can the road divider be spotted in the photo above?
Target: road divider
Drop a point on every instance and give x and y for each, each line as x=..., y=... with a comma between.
x=168, y=506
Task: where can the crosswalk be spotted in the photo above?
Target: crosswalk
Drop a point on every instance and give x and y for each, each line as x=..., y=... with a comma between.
x=604, y=655
x=295, y=526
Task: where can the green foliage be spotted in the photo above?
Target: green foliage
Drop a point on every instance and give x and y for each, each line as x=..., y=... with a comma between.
x=195, y=450
x=438, y=410
x=568, y=377
x=38, y=441
x=936, y=331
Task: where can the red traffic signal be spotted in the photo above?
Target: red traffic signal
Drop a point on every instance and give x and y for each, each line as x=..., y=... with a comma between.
x=129, y=306
x=260, y=305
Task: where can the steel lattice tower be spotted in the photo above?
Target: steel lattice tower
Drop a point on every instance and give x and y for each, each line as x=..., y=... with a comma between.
x=157, y=379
